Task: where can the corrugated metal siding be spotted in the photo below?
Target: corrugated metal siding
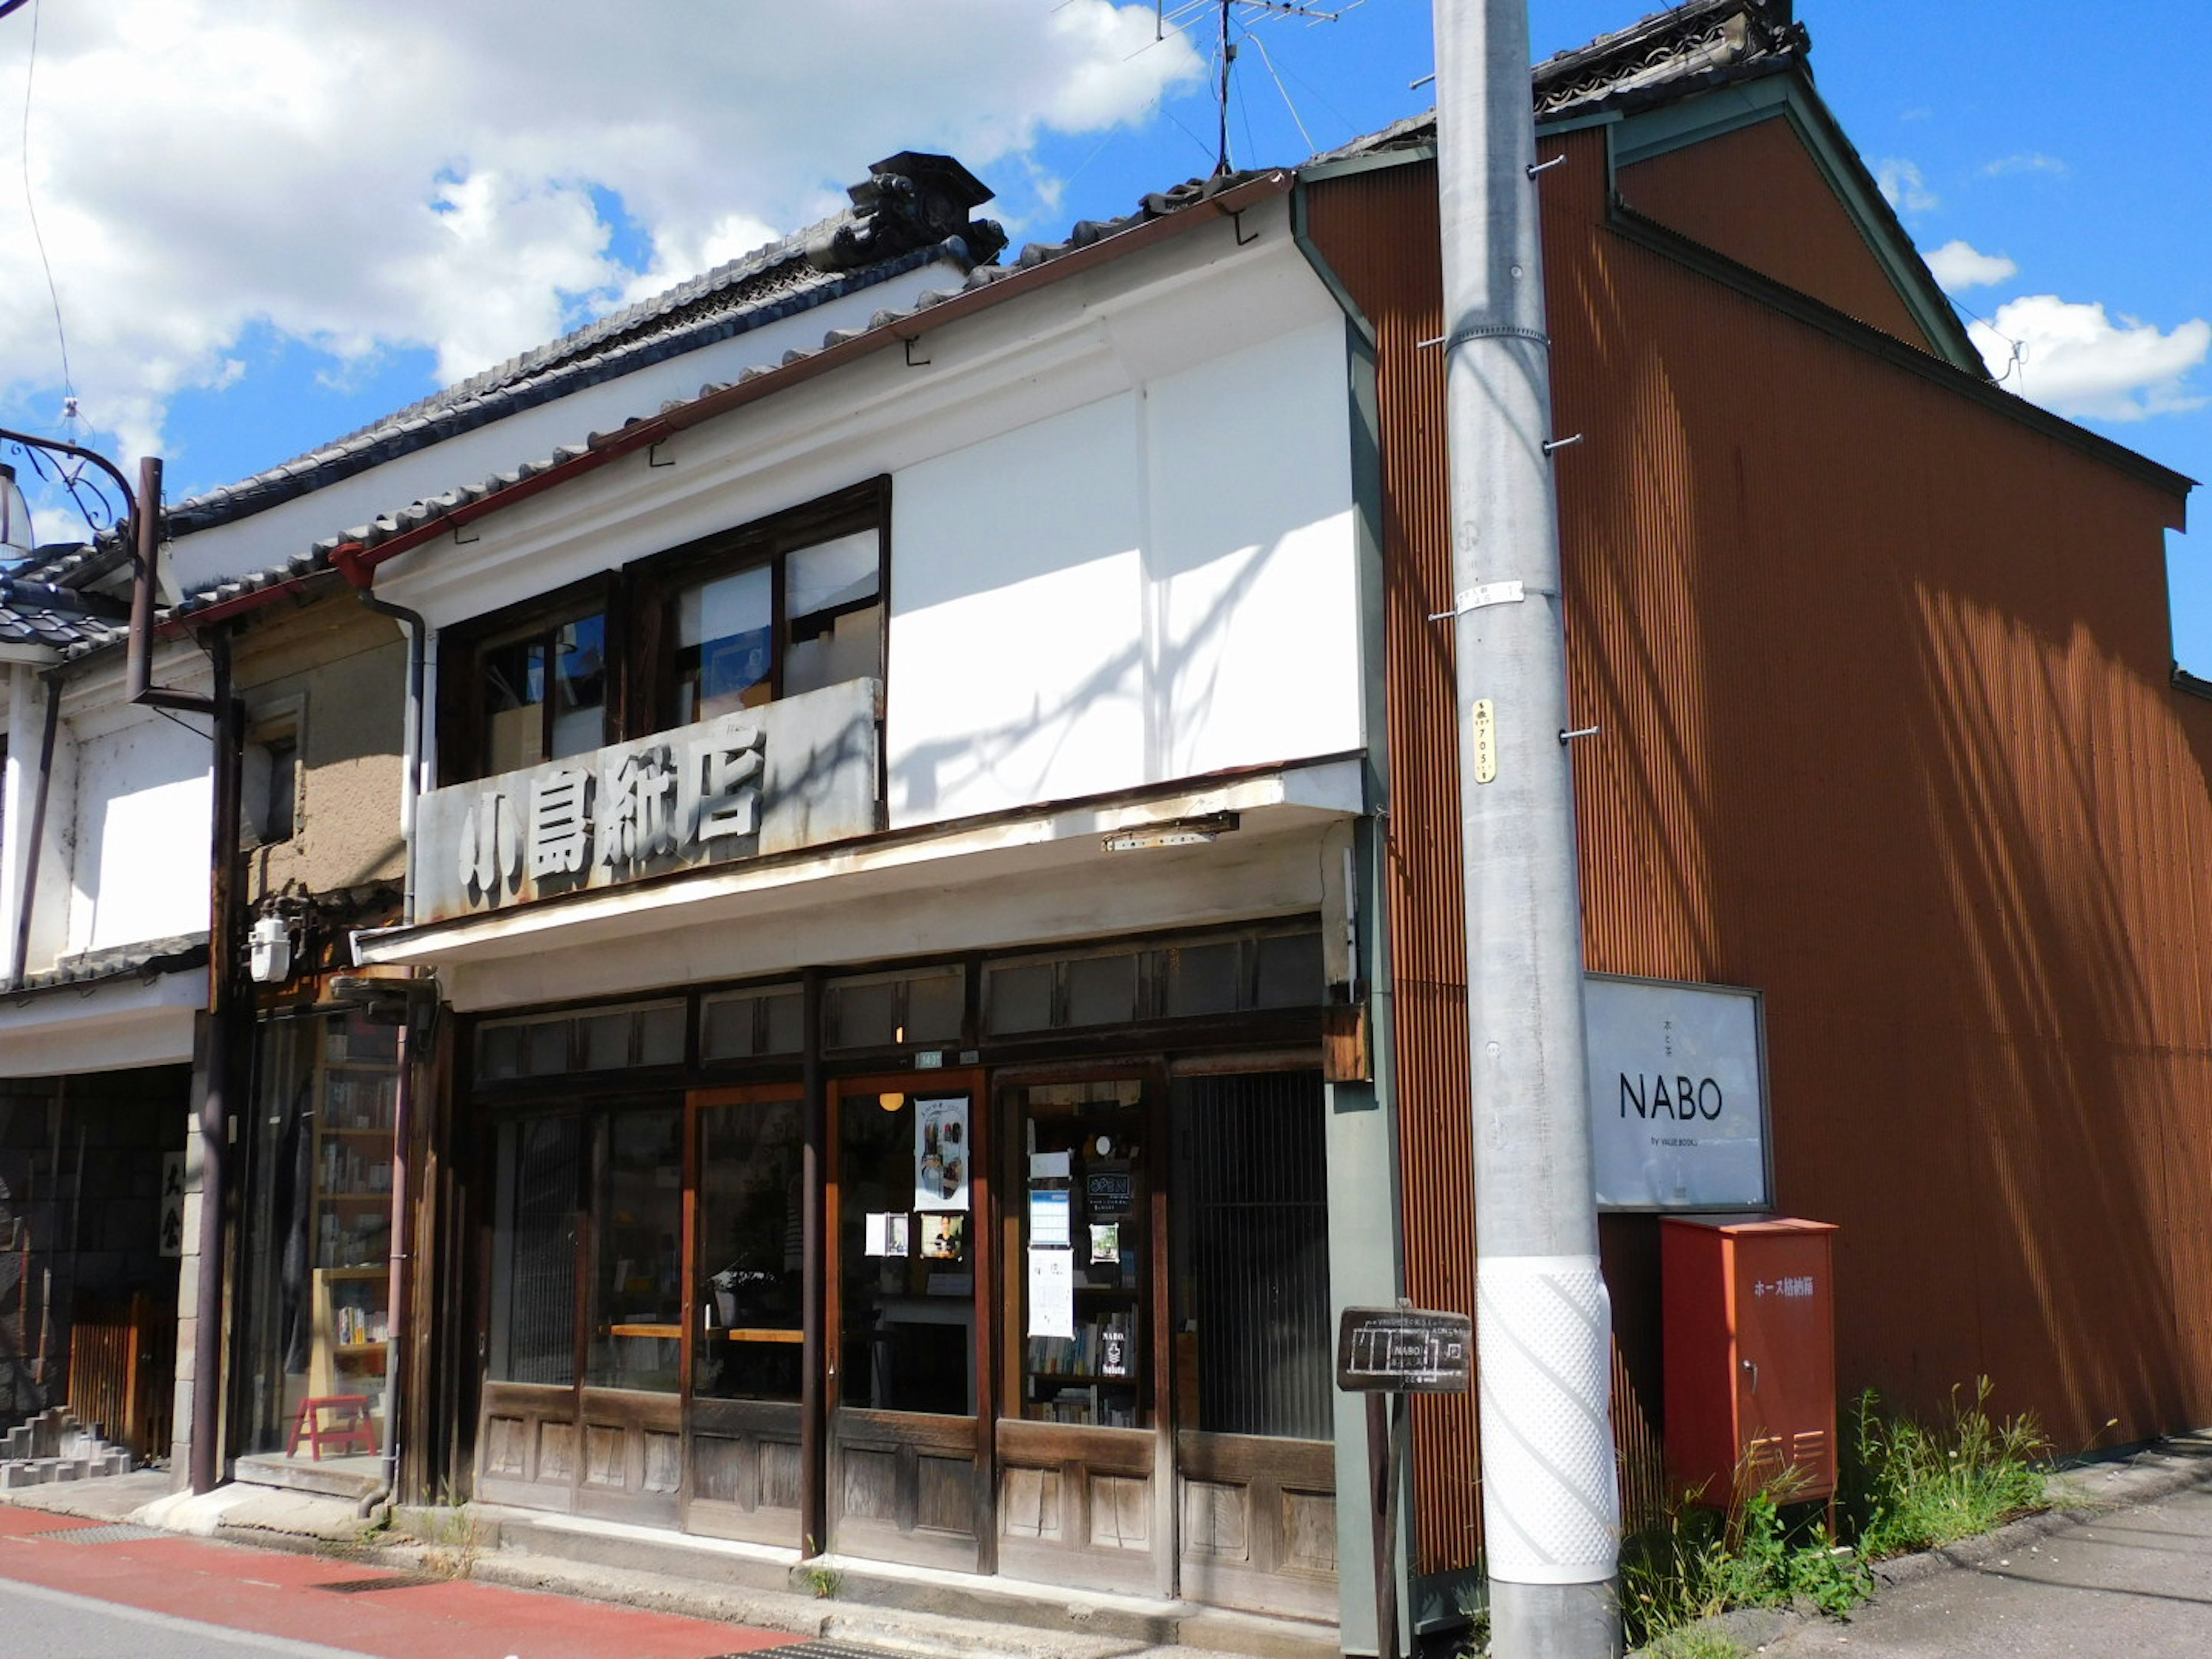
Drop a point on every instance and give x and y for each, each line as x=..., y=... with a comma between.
x=1755, y=195
x=1378, y=231
x=1886, y=733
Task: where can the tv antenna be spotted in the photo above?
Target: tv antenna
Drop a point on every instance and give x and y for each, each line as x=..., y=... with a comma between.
x=1183, y=13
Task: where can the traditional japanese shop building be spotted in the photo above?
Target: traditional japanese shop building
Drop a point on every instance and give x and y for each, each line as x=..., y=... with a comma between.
x=934, y=894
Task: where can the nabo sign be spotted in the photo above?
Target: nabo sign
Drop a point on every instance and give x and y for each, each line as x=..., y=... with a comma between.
x=1678, y=1096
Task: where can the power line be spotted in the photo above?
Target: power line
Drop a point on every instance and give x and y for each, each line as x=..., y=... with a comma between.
x=31, y=206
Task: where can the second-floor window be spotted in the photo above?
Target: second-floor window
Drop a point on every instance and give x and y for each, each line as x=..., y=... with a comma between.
x=774, y=610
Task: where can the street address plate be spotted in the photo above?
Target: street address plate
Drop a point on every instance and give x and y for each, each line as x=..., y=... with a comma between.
x=1403, y=1351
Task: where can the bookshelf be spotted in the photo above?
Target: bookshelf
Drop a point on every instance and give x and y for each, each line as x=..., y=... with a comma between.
x=356, y=1095
x=1098, y=1376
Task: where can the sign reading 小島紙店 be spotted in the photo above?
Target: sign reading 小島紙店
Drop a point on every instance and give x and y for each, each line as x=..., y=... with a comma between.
x=791, y=774
x=1678, y=1094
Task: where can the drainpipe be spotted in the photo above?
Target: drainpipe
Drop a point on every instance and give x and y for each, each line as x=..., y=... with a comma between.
x=1551, y=1521
x=411, y=741
x=223, y=1001
x=46, y=741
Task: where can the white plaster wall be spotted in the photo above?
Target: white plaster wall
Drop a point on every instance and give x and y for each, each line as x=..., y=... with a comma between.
x=268, y=538
x=142, y=801
x=1017, y=669
x=1158, y=585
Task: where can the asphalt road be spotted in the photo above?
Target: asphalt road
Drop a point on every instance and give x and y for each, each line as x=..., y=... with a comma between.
x=2136, y=1584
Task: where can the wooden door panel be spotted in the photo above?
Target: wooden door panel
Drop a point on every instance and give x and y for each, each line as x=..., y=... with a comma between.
x=630, y=1443
x=907, y=1488
x=1258, y=1521
x=526, y=1445
x=745, y=1471
x=1078, y=1506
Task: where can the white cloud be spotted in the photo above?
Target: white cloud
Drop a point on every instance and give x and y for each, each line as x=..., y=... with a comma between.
x=1959, y=265
x=2032, y=162
x=1905, y=187
x=2074, y=360
x=419, y=174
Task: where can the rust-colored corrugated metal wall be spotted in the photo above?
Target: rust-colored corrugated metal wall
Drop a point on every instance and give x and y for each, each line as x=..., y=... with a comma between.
x=1755, y=195
x=1378, y=231
x=1886, y=733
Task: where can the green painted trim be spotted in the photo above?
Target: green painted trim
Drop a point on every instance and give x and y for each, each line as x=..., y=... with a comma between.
x=1789, y=96
x=1602, y=117
x=1627, y=222
x=1302, y=234
x=1345, y=166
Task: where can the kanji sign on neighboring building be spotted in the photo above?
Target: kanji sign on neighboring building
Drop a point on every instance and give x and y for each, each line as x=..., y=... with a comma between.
x=787, y=775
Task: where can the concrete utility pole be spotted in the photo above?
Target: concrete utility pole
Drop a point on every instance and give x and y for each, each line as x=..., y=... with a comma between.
x=1551, y=1509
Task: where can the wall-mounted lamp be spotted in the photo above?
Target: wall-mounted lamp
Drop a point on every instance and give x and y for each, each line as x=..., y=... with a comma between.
x=1181, y=832
x=271, y=962
x=891, y=1101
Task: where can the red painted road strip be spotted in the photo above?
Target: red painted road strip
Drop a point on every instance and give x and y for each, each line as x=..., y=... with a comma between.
x=272, y=1593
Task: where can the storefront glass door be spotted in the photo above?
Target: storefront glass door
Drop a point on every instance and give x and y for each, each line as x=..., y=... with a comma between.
x=1085, y=1486
x=582, y=1408
x=748, y=1308
x=908, y=1476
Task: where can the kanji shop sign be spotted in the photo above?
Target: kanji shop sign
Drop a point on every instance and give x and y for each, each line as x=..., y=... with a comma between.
x=787, y=775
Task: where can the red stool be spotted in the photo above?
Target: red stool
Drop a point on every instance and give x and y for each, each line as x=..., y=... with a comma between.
x=350, y=1430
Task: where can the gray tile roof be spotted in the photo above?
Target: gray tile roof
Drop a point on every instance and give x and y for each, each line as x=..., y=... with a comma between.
x=912, y=211
x=147, y=960
x=1661, y=57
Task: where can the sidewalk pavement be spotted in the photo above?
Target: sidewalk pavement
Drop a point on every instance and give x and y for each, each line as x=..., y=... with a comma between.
x=2124, y=1569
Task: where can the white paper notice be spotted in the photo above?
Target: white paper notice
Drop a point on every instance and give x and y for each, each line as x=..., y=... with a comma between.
x=1048, y=1217
x=884, y=1234
x=1052, y=1292
x=1047, y=1166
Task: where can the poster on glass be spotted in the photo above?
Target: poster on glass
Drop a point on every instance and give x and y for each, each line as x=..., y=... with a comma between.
x=941, y=1153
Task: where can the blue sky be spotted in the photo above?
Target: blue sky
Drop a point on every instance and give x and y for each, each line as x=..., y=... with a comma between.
x=270, y=222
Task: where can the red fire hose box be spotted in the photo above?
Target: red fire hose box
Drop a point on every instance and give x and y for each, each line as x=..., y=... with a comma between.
x=1750, y=1339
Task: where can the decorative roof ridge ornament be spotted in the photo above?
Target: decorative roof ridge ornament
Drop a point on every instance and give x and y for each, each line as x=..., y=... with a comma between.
x=908, y=201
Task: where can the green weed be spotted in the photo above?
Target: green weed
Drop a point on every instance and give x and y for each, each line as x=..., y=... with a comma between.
x=1907, y=1486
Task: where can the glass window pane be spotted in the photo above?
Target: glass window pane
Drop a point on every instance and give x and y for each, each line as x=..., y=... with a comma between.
x=1018, y=999
x=751, y=1251
x=830, y=577
x=1204, y=979
x=909, y=1312
x=499, y=1052
x=534, y=1316
x=637, y=1287
x=580, y=687
x=1100, y=1375
x=724, y=633
x=786, y=1024
x=546, y=1048
x=513, y=690
x=935, y=1006
x=850, y=648
x=660, y=1035
x=1291, y=972
x=725, y=1031
x=865, y=1015
x=606, y=1040
x=1102, y=990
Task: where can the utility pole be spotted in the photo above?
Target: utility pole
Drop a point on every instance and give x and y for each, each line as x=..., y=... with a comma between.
x=1550, y=1508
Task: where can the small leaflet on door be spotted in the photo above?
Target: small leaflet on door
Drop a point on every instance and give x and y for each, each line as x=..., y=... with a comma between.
x=940, y=1152
x=1049, y=1213
x=1051, y=1292
x=884, y=1234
